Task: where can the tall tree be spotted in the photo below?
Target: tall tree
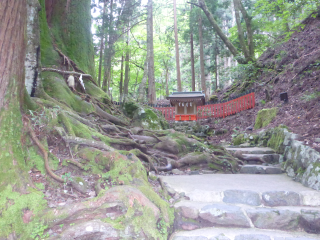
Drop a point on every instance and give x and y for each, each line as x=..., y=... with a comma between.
x=142, y=86
x=102, y=41
x=150, y=55
x=121, y=80
x=126, y=71
x=177, y=46
x=193, y=77
x=202, y=74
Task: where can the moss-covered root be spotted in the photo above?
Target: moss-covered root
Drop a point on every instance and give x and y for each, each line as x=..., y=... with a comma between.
x=264, y=117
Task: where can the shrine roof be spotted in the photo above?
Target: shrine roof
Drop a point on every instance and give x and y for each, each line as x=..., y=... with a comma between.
x=187, y=97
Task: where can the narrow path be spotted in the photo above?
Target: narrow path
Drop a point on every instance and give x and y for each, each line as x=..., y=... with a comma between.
x=244, y=206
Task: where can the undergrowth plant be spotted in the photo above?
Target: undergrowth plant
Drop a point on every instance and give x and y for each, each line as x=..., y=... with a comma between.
x=38, y=231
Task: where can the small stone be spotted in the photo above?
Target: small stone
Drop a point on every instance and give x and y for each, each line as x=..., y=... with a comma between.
x=249, y=129
x=176, y=196
x=208, y=171
x=252, y=237
x=245, y=145
x=281, y=198
x=171, y=200
x=317, y=140
x=194, y=172
x=62, y=204
x=182, y=194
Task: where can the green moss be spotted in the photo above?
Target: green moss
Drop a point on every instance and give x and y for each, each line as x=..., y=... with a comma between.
x=56, y=87
x=264, y=117
x=49, y=56
x=71, y=30
x=28, y=103
x=129, y=108
x=213, y=98
x=238, y=140
x=96, y=92
x=276, y=140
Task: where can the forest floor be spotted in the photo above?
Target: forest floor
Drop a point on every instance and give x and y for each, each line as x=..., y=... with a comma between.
x=292, y=67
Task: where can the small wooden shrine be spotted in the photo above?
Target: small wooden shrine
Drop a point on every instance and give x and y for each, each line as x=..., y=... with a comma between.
x=186, y=104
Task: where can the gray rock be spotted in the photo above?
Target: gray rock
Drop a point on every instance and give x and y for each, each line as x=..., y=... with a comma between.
x=94, y=229
x=266, y=218
x=252, y=169
x=273, y=170
x=177, y=172
x=310, y=220
x=317, y=140
x=241, y=196
x=79, y=184
x=244, y=145
x=208, y=171
x=188, y=212
x=252, y=237
x=224, y=215
x=194, y=172
x=281, y=198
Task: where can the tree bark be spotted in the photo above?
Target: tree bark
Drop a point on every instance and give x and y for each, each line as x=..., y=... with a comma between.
x=12, y=92
x=248, y=19
x=167, y=81
x=121, y=79
x=177, y=46
x=193, y=77
x=219, y=31
x=101, y=43
x=150, y=55
x=240, y=31
x=126, y=72
x=203, y=77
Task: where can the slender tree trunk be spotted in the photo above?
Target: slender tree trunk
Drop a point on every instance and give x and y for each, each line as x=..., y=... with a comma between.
x=216, y=62
x=150, y=55
x=121, y=79
x=193, y=77
x=101, y=42
x=248, y=19
x=203, y=77
x=240, y=31
x=177, y=46
x=142, y=86
x=167, y=81
x=108, y=51
x=126, y=72
x=219, y=31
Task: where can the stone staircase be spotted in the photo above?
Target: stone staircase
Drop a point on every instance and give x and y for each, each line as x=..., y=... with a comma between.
x=245, y=206
x=259, y=160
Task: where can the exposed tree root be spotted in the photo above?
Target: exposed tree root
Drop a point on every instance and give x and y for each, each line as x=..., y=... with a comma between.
x=43, y=150
x=79, y=165
x=140, y=154
x=82, y=141
x=108, y=116
x=88, y=76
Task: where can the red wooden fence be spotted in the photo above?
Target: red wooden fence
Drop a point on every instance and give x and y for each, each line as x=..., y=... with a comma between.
x=216, y=110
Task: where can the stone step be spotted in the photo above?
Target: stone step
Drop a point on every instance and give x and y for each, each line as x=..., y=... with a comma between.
x=192, y=215
x=241, y=234
x=259, y=169
x=252, y=150
x=250, y=189
x=262, y=158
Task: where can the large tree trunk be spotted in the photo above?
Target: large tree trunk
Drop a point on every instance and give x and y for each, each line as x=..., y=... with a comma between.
x=150, y=55
x=142, y=86
x=203, y=77
x=240, y=31
x=101, y=42
x=193, y=77
x=12, y=89
x=219, y=31
x=177, y=46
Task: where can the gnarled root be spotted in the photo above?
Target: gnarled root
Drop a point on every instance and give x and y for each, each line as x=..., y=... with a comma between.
x=43, y=150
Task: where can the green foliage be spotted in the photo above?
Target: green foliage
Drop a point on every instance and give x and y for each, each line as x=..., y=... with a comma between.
x=310, y=96
x=162, y=226
x=276, y=140
x=38, y=231
x=238, y=140
x=244, y=72
x=263, y=102
x=264, y=117
x=67, y=177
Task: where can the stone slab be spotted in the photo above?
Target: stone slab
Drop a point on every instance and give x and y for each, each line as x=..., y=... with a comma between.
x=268, y=158
x=232, y=233
x=281, y=198
x=259, y=169
x=253, y=150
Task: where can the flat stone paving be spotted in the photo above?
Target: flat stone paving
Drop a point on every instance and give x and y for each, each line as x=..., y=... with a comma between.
x=222, y=182
x=215, y=187
x=253, y=150
x=241, y=234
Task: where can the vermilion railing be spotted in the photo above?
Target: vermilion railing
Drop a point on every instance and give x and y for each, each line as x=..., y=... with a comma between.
x=226, y=108
x=213, y=110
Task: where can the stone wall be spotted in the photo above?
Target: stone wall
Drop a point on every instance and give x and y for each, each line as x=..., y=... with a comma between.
x=302, y=163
